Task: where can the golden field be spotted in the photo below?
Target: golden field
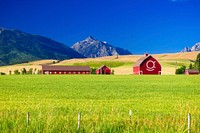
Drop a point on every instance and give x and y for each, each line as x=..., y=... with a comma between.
x=123, y=65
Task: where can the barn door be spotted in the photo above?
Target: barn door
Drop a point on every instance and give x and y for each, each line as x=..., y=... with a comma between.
x=141, y=73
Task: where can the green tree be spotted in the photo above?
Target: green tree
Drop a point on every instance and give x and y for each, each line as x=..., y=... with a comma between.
x=16, y=72
x=30, y=71
x=181, y=70
x=35, y=70
x=113, y=72
x=1, y=73
x=197, y=62
x=23, y=71
x=191, y=66
x=93, y=70
x=39, y=72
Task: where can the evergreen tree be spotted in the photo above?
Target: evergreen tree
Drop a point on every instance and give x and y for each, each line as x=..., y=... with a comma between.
x=23, y=71
x=197, y=62
x=191, y=66
x=16, y=72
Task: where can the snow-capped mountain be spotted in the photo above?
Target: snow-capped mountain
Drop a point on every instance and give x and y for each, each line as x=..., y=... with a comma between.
x=196, y=47
x=92, y=48
x=186, y=49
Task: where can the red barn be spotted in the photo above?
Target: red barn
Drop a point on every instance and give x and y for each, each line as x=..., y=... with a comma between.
x=103, y=70
x=147, y=65
x=65, y=69
x=191, y=71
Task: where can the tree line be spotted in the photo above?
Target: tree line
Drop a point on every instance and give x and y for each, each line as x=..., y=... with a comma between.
x=23, y=71
x=195, y=65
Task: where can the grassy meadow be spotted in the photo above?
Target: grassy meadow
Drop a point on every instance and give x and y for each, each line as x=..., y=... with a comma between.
x=159, y=103
x=123, y=65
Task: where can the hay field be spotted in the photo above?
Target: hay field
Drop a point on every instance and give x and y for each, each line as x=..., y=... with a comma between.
x=121, y=65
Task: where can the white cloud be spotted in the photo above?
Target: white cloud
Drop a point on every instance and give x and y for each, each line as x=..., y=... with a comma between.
x=178, y=0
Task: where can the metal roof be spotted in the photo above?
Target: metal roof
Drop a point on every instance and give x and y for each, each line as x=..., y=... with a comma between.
x=66, y=68
x=141, y=60
x=192, y=70
x=102, y=67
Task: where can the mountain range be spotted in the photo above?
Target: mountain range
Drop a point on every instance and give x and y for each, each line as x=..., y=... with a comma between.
x=92, y=48
x=19, y=47
x=196, y=47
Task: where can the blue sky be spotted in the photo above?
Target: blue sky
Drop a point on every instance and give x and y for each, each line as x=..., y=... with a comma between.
x=153, y=26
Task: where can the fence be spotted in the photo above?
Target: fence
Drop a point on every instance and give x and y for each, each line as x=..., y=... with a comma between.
x=28, y=115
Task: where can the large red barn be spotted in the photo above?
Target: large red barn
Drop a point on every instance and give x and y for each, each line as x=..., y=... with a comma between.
x=103, y=70
x=65, y=69
x=147, y=65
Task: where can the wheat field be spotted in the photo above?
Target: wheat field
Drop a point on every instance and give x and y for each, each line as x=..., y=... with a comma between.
x=121, y=65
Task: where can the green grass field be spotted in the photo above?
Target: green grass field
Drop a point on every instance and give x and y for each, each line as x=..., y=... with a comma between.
x=159, y=103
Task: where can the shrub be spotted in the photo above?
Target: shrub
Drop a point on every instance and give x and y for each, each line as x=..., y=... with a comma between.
x=1, y=73
x=39, y=72
x=93, y=70
x=16, y=72
x=30, y=71
x=23, y=71
x=113, y=72
x=181, y=70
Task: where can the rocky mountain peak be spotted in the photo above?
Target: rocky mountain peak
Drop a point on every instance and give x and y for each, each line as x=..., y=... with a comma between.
x=186, y=49
x=90, y=38
x=196, y=47
x=92, y=48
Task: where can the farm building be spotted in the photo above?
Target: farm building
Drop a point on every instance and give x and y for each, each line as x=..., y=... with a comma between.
x=103, y=70
x=65, y=69
x=191, y=71
x=147, y=65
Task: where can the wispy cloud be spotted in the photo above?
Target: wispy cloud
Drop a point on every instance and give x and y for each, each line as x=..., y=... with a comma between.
x=178, y=0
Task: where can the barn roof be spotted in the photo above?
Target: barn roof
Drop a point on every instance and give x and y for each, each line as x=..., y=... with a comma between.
x=66, y=68
x=193, y=71
x=141, y=60
x=102, y=67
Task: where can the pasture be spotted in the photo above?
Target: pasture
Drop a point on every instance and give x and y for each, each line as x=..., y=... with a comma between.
x=123, y=65
x=158, y=103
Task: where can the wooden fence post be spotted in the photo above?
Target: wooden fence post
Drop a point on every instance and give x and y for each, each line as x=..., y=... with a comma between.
x=130, y=113
x=79, y=121
x=189, y=122
x=27, y=118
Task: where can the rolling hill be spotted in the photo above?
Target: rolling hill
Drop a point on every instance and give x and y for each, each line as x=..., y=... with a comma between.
x=19, y=47
x=121, y=65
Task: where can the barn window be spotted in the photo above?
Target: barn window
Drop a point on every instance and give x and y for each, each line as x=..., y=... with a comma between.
x=60, y=72
x=69, y=72
x=64, y=72
x=83, y=72
x=79, y=72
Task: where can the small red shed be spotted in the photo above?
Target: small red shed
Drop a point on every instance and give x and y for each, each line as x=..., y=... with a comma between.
x=103, y=70
x=191, y=71
x=147, y=65
x=65, y=69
